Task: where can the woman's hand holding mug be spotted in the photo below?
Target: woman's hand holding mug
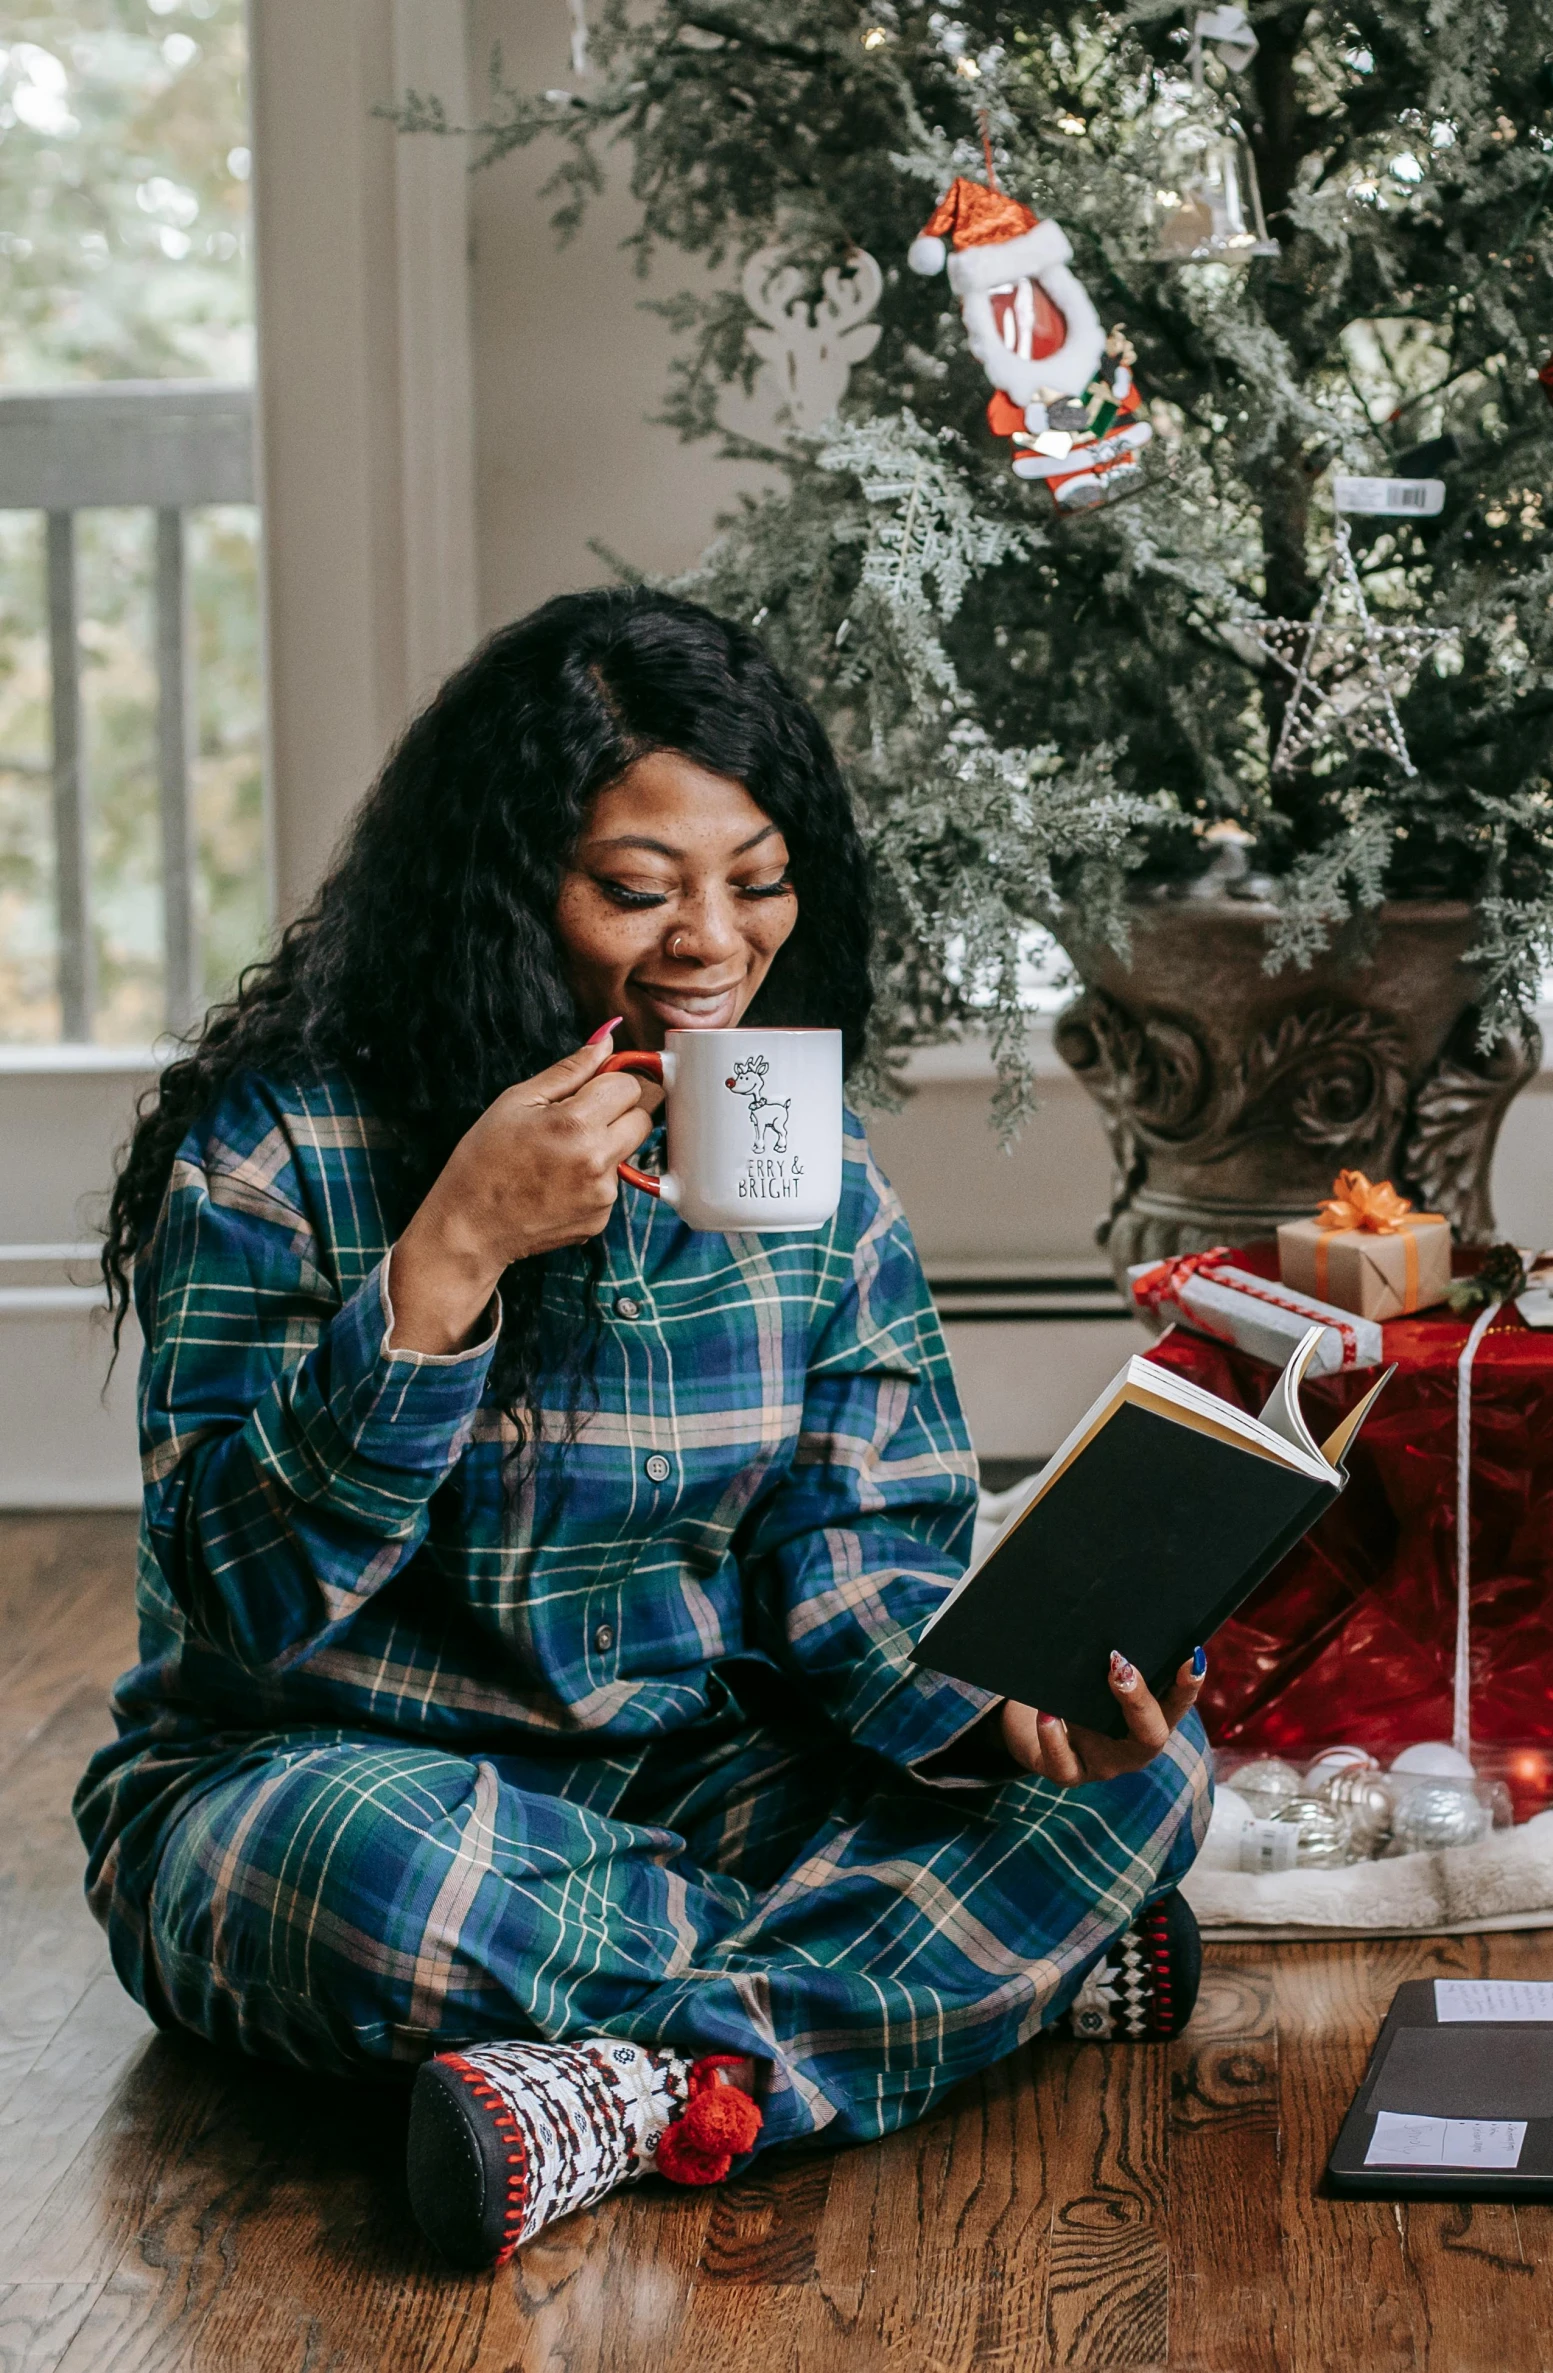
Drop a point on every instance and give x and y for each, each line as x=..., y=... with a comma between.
x=539, y=1169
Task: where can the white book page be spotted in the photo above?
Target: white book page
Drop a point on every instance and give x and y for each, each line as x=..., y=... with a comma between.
x=1481, y=2001
x=1282, y=1412
x=1403, y=2141
x=1287, y=1440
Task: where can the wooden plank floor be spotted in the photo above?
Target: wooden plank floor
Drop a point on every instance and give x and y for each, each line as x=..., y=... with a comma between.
x=161, y=2207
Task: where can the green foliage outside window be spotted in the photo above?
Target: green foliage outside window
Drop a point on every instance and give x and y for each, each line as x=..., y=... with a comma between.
x=124, y=171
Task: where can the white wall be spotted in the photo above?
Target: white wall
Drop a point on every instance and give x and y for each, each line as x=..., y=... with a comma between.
x=63, y=1444
x=569, y=367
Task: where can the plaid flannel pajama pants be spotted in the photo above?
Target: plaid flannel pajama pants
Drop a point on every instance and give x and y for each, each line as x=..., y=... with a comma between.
x=347, y=1904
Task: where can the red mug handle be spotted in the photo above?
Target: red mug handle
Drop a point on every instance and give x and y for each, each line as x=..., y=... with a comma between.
x=650, y=1067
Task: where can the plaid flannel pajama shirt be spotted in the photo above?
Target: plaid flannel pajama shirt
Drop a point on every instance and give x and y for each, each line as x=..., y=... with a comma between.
x=414, y=1758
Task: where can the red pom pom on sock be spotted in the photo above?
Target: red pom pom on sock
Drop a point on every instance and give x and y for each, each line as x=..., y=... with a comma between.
x=719, y=2122
x=722, y=2120
x=681, y=2162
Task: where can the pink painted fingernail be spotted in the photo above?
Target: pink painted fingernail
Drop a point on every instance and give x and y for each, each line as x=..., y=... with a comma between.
x=1047, y=1721
x=603, y=1030
x=1125, y=1675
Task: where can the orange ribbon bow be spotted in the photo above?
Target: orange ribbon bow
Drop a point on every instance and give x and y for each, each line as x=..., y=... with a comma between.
x=1356, y=1202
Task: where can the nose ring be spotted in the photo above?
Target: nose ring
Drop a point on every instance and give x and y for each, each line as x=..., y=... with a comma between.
x=674, y=943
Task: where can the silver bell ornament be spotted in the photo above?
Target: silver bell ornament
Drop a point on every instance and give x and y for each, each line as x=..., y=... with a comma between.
x=1365, y=1802
x=1325, y=1840
x=1438, y=1813
x=1208, y=205
x=1267, y=1783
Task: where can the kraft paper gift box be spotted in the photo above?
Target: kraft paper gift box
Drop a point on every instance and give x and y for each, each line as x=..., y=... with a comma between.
x=1378, y=1273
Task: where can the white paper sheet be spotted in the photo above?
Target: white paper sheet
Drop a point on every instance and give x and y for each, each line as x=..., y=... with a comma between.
x=1479, y=2001
x=1400, y=2141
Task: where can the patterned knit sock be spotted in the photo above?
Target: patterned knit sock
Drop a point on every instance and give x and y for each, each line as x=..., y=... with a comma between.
x=1145, y=1987
x=506, y=2137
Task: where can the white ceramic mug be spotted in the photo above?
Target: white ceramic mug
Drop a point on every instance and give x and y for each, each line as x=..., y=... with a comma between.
x=754, y=1121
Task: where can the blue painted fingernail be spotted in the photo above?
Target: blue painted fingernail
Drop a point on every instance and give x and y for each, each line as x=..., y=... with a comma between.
x=1199, y=1663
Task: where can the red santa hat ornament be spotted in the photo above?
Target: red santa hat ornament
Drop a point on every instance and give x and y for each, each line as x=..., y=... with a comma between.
x=1028, y=320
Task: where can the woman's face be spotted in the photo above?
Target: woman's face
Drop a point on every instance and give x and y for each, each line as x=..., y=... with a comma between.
x=675, y=902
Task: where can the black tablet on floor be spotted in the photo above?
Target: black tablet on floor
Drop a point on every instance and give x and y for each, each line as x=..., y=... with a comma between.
x=1457, y=2102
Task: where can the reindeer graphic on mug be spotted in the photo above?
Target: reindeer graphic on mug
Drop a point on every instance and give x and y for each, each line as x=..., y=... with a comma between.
x=768, y=1119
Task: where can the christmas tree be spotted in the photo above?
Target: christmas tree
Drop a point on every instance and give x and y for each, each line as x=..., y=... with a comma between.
x=1046, y=714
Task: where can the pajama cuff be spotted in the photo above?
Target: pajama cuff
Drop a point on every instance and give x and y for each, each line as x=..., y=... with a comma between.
x=410, y=1410
x=917, y=1716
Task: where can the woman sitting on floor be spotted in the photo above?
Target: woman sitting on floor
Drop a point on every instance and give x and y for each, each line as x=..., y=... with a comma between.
x=527, y=1581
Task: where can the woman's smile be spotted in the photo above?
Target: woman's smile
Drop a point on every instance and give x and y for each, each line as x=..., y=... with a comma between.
x=685, y=1008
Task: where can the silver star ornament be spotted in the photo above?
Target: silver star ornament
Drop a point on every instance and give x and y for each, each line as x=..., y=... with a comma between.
x=1348, y=670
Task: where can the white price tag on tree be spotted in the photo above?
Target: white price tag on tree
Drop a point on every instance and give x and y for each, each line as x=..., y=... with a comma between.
x=1421, y=497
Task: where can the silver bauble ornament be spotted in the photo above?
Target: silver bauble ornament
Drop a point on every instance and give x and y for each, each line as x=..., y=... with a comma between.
x=1434, y=1759
x=1365, y=1801
x=1337, y=1759
x=1266, y=1783
x=1434, y=1813
x=1325, y=1840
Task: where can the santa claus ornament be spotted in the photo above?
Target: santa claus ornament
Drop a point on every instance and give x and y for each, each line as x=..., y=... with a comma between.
x=1063, y=390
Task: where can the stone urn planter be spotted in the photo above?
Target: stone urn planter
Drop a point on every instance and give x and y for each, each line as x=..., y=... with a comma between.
x=1231, y=1097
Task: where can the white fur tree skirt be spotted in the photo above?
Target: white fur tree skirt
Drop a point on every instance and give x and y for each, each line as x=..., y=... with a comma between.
x=1506, y=1882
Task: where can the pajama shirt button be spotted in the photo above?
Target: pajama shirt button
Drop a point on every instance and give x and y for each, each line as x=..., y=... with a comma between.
x=658, y=1468
x=604, y=1638
x=627, y=1306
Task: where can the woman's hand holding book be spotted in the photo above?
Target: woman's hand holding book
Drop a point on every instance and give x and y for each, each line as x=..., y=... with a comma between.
x=1069, y=1755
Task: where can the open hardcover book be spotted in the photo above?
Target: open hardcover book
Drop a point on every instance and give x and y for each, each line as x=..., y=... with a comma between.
x=1162, y=1510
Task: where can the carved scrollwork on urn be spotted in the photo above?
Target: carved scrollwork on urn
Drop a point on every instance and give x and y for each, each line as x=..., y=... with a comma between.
x=1325, y=1077
x=1150, y=1079
x=1448, y=1149
x=1231, y=1096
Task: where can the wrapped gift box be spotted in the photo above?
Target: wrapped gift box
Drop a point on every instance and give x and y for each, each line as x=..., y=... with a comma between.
x=1368, y=1252
x=1233, y=1305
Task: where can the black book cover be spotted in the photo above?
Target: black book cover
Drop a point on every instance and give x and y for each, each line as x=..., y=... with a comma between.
x=1148, y=1541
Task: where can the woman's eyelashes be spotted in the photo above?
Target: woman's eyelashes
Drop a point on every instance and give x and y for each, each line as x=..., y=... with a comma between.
x=622, y=894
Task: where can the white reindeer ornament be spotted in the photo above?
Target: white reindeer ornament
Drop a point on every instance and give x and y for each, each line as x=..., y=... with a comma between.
x=809, y=354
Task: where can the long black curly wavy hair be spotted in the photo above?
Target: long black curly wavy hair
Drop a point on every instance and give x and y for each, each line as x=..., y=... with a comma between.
x=428, y=966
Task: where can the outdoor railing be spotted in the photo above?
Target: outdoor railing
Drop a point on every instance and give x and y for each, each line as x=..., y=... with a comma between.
x=169, y=446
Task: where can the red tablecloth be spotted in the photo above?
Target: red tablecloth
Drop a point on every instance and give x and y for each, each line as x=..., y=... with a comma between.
x=1353, y=1636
